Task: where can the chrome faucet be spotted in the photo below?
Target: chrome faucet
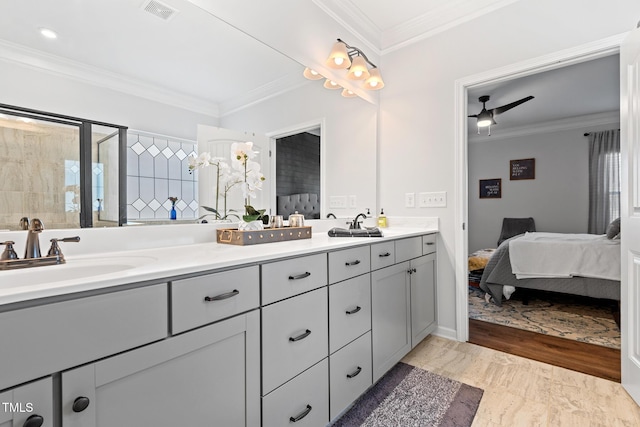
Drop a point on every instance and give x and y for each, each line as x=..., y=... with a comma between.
x=355, y=225
x=33, y=243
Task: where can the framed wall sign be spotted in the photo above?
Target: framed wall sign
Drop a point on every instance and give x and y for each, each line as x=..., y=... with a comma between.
x=522, y=169
x=491, y=188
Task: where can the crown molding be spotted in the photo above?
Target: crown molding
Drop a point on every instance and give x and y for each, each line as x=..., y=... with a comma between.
x=451, y=14
x=55, y=65
x=275, y=88
x=579, y=122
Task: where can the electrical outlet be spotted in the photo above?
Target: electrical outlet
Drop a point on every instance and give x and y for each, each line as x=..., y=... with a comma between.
x=410, y=200
x=353, y=202
x=338, y=202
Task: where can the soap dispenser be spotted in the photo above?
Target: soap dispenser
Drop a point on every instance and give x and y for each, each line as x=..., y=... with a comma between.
x=382, y=219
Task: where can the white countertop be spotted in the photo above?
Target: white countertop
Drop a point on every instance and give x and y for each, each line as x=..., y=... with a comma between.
x=119, y=256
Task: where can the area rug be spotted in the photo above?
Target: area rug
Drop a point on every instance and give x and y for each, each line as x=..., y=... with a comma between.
x=572, y=317
x=408, y=396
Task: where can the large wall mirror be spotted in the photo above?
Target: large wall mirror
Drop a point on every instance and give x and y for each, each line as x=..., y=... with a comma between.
x=161, y=69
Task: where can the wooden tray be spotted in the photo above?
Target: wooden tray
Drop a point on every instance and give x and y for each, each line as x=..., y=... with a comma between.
x=233, y=236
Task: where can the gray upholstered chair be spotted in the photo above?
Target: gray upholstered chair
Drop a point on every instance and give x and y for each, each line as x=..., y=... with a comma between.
x=514, y=226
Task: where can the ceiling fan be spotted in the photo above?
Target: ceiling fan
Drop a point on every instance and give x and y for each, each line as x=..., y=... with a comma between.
x=486, y=117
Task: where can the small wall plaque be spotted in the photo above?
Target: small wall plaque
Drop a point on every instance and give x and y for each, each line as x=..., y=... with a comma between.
x=522, y=169
x=491, y=188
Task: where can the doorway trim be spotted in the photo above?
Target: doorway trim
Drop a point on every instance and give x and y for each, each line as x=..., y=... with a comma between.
x=582, y=53
x=293, y=130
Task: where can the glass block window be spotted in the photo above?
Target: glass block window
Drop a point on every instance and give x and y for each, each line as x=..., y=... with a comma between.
x=158, y=168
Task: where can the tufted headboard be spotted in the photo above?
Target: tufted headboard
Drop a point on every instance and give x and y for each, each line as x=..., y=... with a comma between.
x=305, y=203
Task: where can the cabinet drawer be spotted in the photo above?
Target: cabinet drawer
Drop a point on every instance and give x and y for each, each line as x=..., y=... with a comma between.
x=349, y=263
x=351, y=373
x=294, y=337
x=383, y=255
x=407, y=249
x=428, y=244
x=305, y=398
x=57, y=336
x=288, y=278
x=349, y=310
x=206, y=299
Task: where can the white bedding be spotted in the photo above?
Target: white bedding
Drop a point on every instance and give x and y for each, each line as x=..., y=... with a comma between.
x=544, y=255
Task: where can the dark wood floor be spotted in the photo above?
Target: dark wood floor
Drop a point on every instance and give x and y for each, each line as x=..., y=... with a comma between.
x=590, y=359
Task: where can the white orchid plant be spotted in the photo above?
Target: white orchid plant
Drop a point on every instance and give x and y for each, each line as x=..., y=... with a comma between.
x=243, y=172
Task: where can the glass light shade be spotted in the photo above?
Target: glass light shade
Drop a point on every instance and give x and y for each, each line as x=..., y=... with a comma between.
x=484, y=123
x=374, y=82
x=348, y=94
x=338, y=58
x=312, y=74
x=485, y=119
x=330, y=84
x=358, y=70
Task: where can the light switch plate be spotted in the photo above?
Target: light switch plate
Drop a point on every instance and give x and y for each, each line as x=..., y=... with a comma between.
x=410, y=200
x=433, y=200
x=353, y=202
x=337, y=202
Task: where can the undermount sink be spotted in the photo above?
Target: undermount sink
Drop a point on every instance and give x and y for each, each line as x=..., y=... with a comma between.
x=73, y=269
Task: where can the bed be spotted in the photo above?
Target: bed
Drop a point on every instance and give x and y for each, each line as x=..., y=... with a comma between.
x=581, y=264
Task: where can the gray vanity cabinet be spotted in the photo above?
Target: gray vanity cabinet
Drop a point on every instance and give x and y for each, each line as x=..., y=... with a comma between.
x=391, y=320
x=423, y=297
x=28, y=404
x=209, y=376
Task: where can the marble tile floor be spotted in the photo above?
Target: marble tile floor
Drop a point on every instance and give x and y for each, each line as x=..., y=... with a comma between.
x=523, y=392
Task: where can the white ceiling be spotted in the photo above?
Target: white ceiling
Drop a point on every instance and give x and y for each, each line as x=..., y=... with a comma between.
x=199, y=62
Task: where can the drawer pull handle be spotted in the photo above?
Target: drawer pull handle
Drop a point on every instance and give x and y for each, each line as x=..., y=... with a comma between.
x=355, y=310
x=80, y=404
x=301, y=336
x=386, y=254
x=356, y=262
x=34, y=421
x=430, y=243
x=301, y=415
x=220, y=297
x=300, y=276
x=355, y=373
x=411, y=270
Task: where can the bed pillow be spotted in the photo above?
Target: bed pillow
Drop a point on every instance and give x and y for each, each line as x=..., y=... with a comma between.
x=613, y=229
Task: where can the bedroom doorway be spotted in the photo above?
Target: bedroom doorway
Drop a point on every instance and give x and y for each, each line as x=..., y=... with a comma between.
x=469, y=177
x=297, y=161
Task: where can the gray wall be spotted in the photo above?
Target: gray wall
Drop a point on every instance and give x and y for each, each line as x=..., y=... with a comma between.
x=298, y=164
x=558, y=197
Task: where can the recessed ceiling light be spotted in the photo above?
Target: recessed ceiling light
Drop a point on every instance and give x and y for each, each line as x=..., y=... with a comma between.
x=50, y=34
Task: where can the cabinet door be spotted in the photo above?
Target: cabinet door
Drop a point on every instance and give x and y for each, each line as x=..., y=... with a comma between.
x=423, y=297
x=209, y=376
x=33, y=402
x=390, y=317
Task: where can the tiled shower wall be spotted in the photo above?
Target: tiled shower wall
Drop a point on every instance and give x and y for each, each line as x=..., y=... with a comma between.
x=158, y=168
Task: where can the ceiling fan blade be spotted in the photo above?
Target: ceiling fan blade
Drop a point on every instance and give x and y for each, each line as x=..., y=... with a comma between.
x=507, y=107
x=473, y=115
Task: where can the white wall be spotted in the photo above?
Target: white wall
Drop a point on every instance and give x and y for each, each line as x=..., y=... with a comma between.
x=348, y=139
x=558, y=197
x=31, y=88
x=417, y=123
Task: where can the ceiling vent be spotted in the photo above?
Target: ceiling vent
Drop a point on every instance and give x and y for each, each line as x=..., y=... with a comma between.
x=159, y=9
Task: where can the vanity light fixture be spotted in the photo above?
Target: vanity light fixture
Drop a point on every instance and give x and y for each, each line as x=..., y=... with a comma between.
x=48, y=33
x=312, y=74
x=358, y=67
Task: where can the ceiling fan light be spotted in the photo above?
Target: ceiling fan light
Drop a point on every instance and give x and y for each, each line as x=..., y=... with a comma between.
x=484, y=123
x=312, y=74
x=338, y=58
x=358, y=69
x=374, y=81
x=348, y=93
x=330, y=84
x=485, y=119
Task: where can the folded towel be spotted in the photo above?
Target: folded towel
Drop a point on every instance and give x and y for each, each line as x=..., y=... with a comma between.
x=365, y=232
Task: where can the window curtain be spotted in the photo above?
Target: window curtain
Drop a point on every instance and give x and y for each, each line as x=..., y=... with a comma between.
x=604, y=179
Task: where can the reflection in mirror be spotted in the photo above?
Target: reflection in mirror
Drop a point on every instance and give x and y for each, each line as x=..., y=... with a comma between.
x=61, y=170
